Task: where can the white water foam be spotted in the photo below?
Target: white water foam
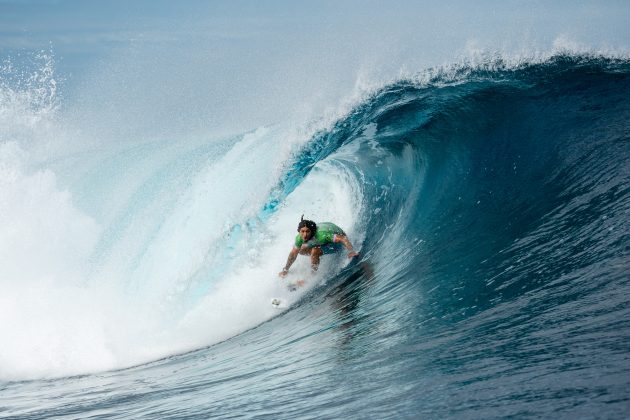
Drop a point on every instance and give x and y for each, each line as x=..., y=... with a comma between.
x=78, y=298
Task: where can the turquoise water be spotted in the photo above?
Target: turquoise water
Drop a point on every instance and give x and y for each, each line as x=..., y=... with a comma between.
x=151, y=184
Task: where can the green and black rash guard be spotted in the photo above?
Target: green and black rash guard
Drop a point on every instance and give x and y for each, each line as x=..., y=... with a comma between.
x=326, y=234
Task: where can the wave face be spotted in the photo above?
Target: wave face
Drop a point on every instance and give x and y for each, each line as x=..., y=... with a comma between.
x=490, y=205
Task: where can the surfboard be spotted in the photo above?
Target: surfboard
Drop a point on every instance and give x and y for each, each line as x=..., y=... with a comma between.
x=277, y=303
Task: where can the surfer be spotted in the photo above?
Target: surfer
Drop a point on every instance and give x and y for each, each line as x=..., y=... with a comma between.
x=316, y=240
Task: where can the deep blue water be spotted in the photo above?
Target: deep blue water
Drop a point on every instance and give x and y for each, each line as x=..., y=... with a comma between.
x=494, y=278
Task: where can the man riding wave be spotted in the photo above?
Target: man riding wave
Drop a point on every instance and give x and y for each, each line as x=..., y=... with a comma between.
x=316, y=240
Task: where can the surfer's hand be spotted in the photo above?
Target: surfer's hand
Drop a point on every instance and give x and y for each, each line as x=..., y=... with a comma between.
x=283, y=273
x=353, y=254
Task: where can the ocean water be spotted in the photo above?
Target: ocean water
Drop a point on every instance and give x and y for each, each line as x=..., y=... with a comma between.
x=489, y=200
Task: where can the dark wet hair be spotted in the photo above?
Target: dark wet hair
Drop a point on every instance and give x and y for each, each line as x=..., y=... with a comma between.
x=309, y=224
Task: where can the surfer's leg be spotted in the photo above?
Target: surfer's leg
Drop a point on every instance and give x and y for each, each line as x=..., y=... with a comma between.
x=315, y=254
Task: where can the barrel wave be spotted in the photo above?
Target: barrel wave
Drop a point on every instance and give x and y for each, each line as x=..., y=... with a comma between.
x=490, y=206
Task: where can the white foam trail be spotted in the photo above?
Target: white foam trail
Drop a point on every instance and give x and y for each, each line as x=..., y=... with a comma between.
x=45, y=314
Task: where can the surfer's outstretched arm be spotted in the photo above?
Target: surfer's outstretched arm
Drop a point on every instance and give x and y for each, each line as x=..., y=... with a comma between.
x=346, y=242
x=290, y=260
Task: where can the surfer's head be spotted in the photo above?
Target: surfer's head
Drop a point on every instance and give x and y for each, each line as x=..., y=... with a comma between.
x=306, y=228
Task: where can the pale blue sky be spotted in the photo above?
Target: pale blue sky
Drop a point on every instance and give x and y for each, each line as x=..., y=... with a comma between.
x=82, y=30
x=220, y=60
